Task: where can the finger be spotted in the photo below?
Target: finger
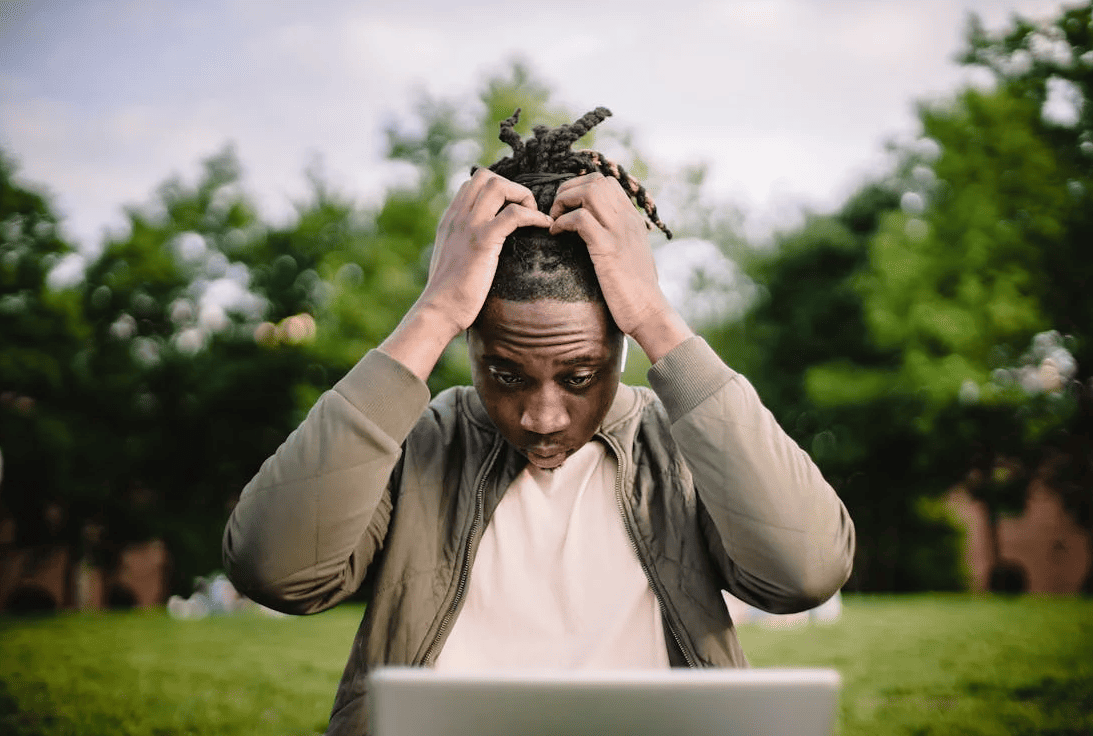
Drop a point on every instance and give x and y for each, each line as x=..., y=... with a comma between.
x=515, y=216
x=570, y=192
x=497, y=191
x=594, y=193
x=470, y=193
x=582, y=222
x=570, y=199
x=579, y=180
x=468, y=190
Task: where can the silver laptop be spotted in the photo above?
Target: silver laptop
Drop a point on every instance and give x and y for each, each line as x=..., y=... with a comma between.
x=676, y=702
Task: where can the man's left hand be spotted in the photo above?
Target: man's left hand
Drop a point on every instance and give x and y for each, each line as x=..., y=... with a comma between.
x=599, y=211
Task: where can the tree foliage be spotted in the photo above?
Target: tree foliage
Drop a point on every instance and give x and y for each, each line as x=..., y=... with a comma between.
x=137, y=403
x=993, y=253
x=936, y=330
x=41, y=334
x=805, y=345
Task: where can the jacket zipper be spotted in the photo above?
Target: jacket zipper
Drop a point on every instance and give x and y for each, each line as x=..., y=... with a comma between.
x=637, y=553
x=465, y=570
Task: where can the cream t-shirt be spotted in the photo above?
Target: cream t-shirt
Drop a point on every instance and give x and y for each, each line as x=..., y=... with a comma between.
x=556, y=583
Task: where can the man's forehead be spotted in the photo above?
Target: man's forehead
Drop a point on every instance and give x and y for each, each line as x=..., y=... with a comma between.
x=544, y=316
x=502, y=355
x=569, y=331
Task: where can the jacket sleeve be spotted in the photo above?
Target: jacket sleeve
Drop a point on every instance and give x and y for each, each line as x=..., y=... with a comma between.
x=781, y=535
x=309, y=523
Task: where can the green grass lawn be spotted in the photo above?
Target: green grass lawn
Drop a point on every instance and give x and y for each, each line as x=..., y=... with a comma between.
x=910, y=665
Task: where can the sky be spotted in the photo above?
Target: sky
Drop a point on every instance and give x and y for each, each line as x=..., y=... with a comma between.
x=788, y=102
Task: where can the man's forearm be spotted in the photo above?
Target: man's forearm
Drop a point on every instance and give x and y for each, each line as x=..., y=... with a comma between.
x=787, y=534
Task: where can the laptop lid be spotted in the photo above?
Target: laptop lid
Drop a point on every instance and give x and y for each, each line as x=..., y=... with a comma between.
x=676, y=702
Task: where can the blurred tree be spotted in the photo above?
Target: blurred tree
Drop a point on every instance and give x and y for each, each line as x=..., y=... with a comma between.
x=41, y=335
x=989, y=249
x=378, y=266
x=1048, y=67
x=798, y=343
x=181, y=400
x=1051, y=64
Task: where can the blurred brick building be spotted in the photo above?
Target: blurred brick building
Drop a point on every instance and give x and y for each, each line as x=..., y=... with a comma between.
x=36, y=579
x=1043, y=549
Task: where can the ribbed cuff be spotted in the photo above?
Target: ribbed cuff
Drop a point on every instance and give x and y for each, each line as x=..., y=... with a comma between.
x=386, y=391
x=687, y=376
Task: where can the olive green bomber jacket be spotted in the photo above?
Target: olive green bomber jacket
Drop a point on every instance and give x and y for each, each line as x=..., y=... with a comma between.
x=379, y=482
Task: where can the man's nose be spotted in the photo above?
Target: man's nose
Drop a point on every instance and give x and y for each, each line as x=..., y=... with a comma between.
x=544, y=412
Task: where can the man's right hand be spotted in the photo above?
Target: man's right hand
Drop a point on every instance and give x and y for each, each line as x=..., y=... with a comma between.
x=485, y=211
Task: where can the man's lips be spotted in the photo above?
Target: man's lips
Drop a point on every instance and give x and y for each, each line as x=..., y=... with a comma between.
x=546, y=457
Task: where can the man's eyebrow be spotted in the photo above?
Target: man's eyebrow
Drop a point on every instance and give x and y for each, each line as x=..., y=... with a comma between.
x=499, y=360
x=493, y=359
x=586, y=360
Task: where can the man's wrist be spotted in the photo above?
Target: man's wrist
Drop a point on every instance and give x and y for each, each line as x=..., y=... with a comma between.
x=420, y=339
x=662, y=333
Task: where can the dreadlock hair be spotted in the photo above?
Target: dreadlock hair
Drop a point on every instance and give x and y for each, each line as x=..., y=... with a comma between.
x=533, y=264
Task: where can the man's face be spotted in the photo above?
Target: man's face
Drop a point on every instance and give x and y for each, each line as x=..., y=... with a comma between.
x=546, y=372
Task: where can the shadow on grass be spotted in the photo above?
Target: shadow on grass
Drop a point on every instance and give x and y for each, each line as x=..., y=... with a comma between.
x=1053, y=705
x=14, y=722
x=1064, y=706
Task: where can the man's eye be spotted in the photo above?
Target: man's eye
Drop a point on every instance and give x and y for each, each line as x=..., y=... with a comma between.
x=506, y=379
x=580, y=381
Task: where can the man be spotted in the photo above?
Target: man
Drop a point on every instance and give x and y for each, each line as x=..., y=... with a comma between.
x=549, y=516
